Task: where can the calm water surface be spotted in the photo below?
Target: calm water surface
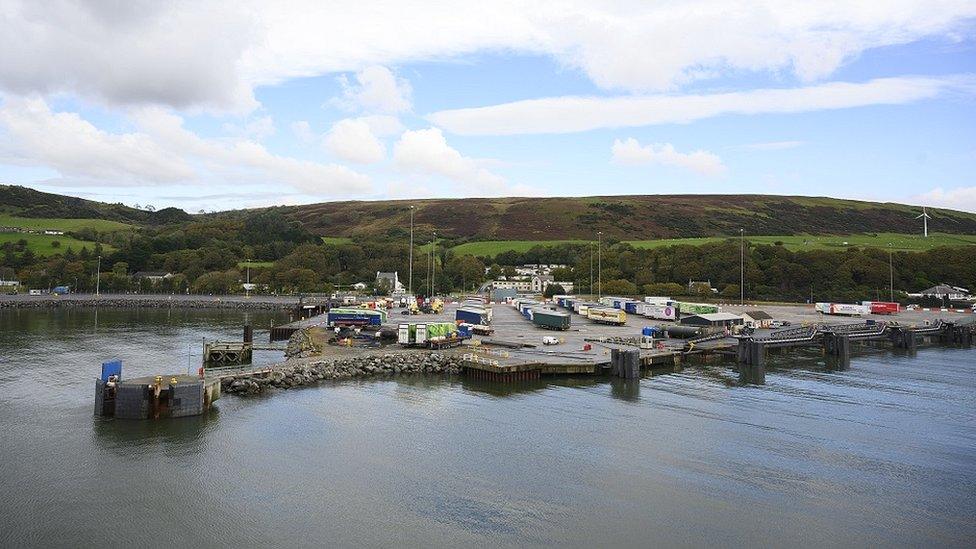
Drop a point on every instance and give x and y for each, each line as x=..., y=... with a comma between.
x=881, y=454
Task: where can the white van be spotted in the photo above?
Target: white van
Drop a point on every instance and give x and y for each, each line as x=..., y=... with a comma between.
x=35, y=292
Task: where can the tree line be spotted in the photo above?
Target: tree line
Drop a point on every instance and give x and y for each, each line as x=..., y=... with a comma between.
x=207, y=256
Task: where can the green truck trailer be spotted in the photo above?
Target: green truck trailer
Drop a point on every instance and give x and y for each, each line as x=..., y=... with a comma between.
x=550, y=320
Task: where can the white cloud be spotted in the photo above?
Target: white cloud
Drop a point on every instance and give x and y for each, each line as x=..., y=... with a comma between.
x=383, y=125
x=629, y=151
x=257, y=129
x=376, y=89
x=959, y=198
x=577, y=114
x=352, y=139
x=771, y=145
x=161, y=152
x=32, y=135
x=212, y=53
x=427, y=152
x=302, y=131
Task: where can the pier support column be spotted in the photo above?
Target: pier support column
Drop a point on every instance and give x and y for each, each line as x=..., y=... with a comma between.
x=248, y=333
x=839, y=348
x=753, y=369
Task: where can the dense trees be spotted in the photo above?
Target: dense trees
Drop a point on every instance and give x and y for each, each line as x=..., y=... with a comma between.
x=207, y=256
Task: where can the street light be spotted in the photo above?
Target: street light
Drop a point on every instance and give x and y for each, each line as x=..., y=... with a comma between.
x=433, y=265
x=599, y=265
x=742, y=267
x=247, y=283
x=410, y=276
x=891, y=276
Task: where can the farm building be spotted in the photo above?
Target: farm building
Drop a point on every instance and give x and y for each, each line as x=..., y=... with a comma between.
x=712, y=319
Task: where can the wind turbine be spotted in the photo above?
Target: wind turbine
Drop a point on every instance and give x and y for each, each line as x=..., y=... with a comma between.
x=925, y=221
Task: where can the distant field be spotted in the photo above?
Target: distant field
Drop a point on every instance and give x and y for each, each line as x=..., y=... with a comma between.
x=41, y=223
x=898, y=242
x=256, y=264
x=40, y=244
x=495, y=247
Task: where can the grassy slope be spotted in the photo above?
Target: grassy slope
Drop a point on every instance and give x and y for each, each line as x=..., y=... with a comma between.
x=41, y=223
x=40, y=244
x=899, y=242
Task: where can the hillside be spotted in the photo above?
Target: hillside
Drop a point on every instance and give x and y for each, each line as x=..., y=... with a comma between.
x=626, y=217
x=630, y=218
x=23, y=202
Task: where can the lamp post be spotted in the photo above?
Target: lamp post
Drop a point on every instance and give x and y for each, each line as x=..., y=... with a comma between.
x=433, y=265
x=98, y=274
x=410, y=275
x=742, y=267
x=599, y=265
x=591, y=267
x=891, y=276
x=247, y=283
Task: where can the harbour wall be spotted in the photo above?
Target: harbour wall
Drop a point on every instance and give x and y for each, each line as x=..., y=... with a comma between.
x=289, y=376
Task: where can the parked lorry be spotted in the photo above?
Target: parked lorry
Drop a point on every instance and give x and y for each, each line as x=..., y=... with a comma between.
x=432, y=335
x=344, y=317
x=657, y=312
x=685, y=308
x=882, y=307
x=605, y=315
x=473, y=315
x=848, y=309
x=551, y=320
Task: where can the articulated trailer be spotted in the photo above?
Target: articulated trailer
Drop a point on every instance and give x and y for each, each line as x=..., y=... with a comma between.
x=842, y=309
x=349, y=317
x=432, y=335
x=604, y=315
x=551, y=320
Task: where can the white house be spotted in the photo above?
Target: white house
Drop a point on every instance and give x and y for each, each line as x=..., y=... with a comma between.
x=53, y=232
x=389, y=281
x=955, y=293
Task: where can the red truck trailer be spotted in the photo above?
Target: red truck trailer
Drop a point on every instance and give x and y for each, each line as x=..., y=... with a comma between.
x=882, y=307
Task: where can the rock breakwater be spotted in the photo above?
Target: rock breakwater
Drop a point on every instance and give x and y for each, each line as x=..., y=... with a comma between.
x=311, y=373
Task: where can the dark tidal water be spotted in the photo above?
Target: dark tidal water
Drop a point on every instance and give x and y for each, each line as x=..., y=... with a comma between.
x=883, y=454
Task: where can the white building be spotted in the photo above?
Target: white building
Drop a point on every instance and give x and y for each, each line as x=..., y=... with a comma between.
x=390, y=282
x=955, y=293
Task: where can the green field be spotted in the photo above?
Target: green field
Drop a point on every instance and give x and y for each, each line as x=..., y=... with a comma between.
x=492, y=248
x=897, y=242
x=40, y=244
x=256, y=264
x=41, y=223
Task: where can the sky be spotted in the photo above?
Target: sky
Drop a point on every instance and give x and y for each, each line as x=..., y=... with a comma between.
x=212, y=105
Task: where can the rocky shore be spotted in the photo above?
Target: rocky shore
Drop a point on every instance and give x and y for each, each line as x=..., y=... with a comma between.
x=288, y=376
x=148, y=302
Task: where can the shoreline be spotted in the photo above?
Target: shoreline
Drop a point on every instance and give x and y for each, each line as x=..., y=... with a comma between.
x=150, y=301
